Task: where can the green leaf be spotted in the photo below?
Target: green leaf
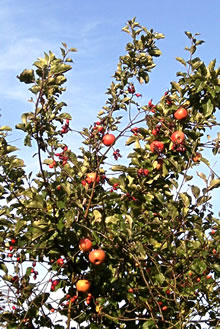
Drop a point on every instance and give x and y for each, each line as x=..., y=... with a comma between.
x=159, y=36
x=205, y=161
x=126, y=100
x=149, y=324
x=73, y=50
x=155, y=52
x=214, y=184
x=118, y=168
x=126, y=29
x=211, y=65
x=160, y=278
x=203, y=200
x=97, y=215
x=27, y=76
x=195, y=191
x=35, y=89
x=143, y=77
x=199, y=42
x=217, y=267
x=34, y=204
x=186, y=199
x=176, y=86
x=203, y=176
x=181, y=60
x=17, y=163
x=64, y=45
x=111, y=220
x=10, y=149
x=65, y=115
x=199, y=266
x=131, y=140
x=188, y=34
x=5, y=128
x=60, y=68
x=188, y=178
x=208, y=108
x=3, y=267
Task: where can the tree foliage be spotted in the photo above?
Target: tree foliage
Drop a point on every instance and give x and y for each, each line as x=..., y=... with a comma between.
x=156, y=227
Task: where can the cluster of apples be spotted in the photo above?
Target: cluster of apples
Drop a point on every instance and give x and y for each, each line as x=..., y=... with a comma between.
x=96, y=257
x=107, y=140
x=177, y=137
x=63, y=155
x=65, y=128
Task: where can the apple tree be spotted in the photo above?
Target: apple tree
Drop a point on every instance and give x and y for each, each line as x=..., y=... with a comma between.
x=122, y=233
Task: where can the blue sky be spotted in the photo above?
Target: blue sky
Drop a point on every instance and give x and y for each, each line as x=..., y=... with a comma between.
x=28, y=28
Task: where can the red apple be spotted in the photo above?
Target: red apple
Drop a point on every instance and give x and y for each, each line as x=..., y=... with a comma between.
x=154, y=132
x=97, y=256
x=91, y=177
x=197, y=157
x=85, y=245
x=164, y=308
x=146, y=172
x=55, y=283
x=157, y=147
x=178, y=137
x=60, y=261
x=181, y=113
x=108, y=139
x=83, y=285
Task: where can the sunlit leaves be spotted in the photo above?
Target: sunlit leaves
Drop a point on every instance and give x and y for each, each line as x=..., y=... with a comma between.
x=27, y=76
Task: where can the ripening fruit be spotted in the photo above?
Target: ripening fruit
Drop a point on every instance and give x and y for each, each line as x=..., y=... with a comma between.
x=100, y=129
x=154, y=132
x=197, y=157
x=97, y=256
x=131, y=89
x=157, y=147
x=91, y=177
x=60, y=261
x=85, y=245
x=55, y=283
x=158, y=164
x=146, y=172
x=181, y=113
x=83, y=285
x=178, y=137
x=51, y=165
x=108, y=139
